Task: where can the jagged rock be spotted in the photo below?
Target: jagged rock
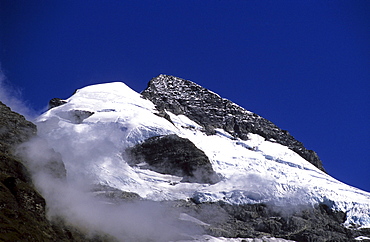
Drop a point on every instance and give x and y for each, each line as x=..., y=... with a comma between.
x=14, y=128
x=75, y=116
x=55, y=102
x=209, y=110
x=171, y=154
x=302, y=224
x=163, y=114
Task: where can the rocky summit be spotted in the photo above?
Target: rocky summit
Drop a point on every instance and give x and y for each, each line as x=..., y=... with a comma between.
x=176, y=162
x=211, y=111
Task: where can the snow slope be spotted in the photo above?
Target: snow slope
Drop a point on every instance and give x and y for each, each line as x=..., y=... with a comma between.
x=252, y=171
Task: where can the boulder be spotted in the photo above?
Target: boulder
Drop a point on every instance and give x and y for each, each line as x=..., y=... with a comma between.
x=171, y=154
x=55, y=102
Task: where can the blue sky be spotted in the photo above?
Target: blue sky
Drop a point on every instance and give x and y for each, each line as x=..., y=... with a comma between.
x=304, y=65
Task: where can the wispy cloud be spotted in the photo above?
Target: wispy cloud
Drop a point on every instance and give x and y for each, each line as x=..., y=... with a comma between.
x=12, y=97
x=74, y=201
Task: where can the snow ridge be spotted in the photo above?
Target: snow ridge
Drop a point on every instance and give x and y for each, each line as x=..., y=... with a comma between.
x=252, y=169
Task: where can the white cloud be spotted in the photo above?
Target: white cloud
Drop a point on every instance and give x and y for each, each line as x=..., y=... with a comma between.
x=12, y=97
x=73, y=200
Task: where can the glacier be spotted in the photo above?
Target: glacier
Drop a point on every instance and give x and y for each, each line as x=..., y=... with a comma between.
x=255, y=170
x=93, y=128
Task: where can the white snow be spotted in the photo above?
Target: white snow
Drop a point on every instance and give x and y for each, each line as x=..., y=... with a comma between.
x=252, y=171
x=209, y=238
x=360, y=238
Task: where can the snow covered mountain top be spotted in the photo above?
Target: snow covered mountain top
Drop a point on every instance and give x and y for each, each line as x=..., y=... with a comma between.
x=95, y=126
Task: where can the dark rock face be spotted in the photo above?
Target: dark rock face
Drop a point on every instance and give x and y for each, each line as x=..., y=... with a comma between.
x=173, y=155
x=22, y=208
x=75, y=116
x=55, y=102
x=209, y=110
x=14, y=128
x=257, y=220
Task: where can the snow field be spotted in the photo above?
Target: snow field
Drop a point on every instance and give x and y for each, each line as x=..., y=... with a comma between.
x=252, y=171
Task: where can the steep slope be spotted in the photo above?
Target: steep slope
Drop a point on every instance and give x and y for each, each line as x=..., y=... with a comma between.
x=22, y=208
x=267, y=183
x=212, y=112
x=171, y=154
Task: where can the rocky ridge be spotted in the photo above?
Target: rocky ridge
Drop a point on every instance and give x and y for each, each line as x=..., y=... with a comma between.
x=209, y=110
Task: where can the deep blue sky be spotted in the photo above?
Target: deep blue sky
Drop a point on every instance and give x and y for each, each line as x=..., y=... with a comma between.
x=304, y=65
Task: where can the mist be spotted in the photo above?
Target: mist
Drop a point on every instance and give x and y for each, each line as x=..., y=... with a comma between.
x=12, y=97
x=86, y=153
x=69, y=195
x=68, y=187
x=74, y=201
x=262, y=189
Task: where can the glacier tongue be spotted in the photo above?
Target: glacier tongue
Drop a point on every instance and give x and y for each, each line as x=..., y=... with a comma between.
x=95, y=126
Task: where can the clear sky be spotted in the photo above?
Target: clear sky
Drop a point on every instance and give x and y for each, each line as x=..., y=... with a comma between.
x=304, y=65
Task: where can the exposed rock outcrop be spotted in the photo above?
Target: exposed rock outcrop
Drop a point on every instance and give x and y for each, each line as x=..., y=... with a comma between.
x=55, y=102
x=300, y=224
x=14, y=129
x=75, y=116
x=171, y=154
x=209, y=110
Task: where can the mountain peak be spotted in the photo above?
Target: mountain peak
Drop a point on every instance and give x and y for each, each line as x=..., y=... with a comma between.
x=211, y=111
x=181, y=143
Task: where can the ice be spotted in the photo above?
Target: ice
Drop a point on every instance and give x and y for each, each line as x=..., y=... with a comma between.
x=252, y=171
